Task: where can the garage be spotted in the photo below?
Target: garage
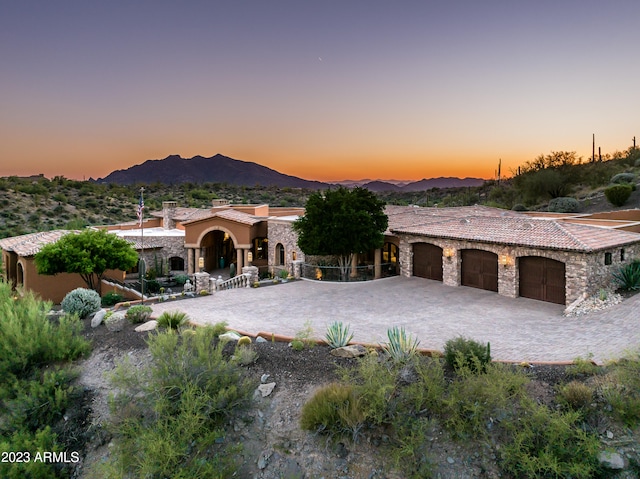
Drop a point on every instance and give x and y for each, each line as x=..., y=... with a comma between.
x=542, y=279
x=480, y=269
x=427, y=261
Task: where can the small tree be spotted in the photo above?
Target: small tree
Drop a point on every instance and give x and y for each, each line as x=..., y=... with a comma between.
x=342, y=222
x=89, y=254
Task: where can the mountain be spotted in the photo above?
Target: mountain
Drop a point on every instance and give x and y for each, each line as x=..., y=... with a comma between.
x=381, y=186
x=217, y=169
x=442, y=182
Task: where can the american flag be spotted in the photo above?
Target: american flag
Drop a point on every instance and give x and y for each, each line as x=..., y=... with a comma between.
x=140, y=209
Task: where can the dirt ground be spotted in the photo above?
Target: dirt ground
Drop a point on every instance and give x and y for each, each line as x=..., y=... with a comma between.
x=274, y=446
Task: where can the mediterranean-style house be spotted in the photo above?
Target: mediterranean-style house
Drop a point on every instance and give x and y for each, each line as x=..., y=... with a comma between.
x=558, y=258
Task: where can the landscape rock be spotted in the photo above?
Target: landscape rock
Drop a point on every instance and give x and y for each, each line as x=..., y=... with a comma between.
x=98, y=317
x=266, y=389
x=351, y=351
x=148, y=326
x=611, y=460
x=115, y=322
x=229, y=336
x=260, y=339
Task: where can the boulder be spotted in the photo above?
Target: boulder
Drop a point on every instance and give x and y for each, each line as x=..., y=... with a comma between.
x=351, y=351
x=98, y=317
x=148, y=326
x=229, y=336
x=611, y=460
x=115, y=322
x=266, y=389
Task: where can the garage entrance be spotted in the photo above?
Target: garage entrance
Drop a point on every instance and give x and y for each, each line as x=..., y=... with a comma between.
x=542, y=279
x=427, y=261
x=480, y=269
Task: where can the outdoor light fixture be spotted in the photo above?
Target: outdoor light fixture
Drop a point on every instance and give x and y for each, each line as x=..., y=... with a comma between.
x=249, y=256
x=505, y=260
x=448, y=253
x=294, y=255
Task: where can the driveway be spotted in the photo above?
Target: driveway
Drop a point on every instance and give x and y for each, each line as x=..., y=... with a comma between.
x=519, y=329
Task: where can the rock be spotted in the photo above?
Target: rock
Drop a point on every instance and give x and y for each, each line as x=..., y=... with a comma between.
x=229, y=336
x=115, y=322
x=97, y=318
x=351, y=351
x=266, y=389
x=609, y=435
x=260, y=339
x=451, y=460
x=148, y=326
x=611, y=460
x=263, y=460
x=264, y=377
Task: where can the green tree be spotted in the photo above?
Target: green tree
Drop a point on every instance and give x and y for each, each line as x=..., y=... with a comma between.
x=342, y=222
x=89, y=254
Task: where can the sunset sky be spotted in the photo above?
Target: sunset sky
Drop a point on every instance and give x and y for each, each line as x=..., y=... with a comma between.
x=323, y=90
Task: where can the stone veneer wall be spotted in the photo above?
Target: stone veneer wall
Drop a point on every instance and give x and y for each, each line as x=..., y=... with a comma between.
x=170, y=246
x=281, y=231
x=585, y=273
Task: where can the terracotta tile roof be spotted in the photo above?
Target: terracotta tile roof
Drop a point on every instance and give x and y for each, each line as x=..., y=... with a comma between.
x=149, y=243
x=184, y=214
x=522, y=231
x=30, y=244
x=232, y=215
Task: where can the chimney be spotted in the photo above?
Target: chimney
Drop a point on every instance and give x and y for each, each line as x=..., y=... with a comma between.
x=168, y=215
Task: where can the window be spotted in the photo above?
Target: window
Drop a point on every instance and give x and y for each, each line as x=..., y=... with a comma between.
x=260, y=248
x=176, y=263
x=622, y=254
x=607, y=258
x=279, y=254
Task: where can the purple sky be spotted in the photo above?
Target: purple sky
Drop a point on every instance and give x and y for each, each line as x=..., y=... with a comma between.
x=321, y=90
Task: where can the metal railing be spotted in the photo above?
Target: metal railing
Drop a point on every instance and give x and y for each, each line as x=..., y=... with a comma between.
x=346, y=274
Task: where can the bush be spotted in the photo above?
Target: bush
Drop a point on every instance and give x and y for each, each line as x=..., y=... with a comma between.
x=333, y=410
x=564, y=204
x=81, y=302
x=338, y=335
x=575, y=395
x=172, y=319
x=152, y=286
x=180, y=279
x=637, y=163
x=138, y=314
x=618, y=195
x=519, y=207
x=623, y=178
x=112, y=298
x=463, y=352
x=628, y=276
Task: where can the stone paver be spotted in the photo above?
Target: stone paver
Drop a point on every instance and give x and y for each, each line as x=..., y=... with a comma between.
x=519, y=329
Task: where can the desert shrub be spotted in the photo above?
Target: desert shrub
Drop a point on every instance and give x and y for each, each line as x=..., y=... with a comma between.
x=462, y=352
x=547, y=443
x=151, y=286
x=334, y=410
x=81, y=302
x=400, y=346
x=637, y=163
x=112, y=298
x=180, y=279
x=623, y=178
x=172, y=319
x=620, y=387
x=583, y=367
x=628, y=276
x=138, y=314
x=519, y=207
x=575, y=394
x=618, y=195
x=297, y=345
x=564, y=204
x=338, y=335
x=43, y=440
x=219, y=328
x=171, y=412
x=244, y=354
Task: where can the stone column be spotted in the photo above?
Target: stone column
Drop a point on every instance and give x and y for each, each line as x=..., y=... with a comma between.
x=507, y=282
x=201, y=282
x=451, y=269
x=240, y=256
x=377, y=260
x=253, y=271
x=190, y=261
x=297, y=268
x=197, y=259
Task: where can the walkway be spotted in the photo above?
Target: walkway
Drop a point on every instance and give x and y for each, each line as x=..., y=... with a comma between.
x=519, y=329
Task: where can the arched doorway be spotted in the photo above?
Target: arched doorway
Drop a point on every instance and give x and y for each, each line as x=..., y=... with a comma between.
x=280, y=255
x=543, y=279
x=480, y=269
x=218, y=250
x=427, y=261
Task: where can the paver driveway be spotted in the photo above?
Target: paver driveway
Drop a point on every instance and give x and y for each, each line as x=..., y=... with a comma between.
x=519, y=329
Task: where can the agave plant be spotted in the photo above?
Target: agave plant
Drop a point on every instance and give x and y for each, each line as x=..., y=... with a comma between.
x=338, y=335
x=172, y=319
x=401, y=346
x=628, y=276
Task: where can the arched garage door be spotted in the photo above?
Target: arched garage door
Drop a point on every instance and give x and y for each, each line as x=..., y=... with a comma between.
x=543, y=279
x=427, y=261
x=480, y=269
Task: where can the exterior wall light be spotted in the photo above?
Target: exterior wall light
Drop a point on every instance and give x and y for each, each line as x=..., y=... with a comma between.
x=294, y=255
x=505, y=260
x=448, y=253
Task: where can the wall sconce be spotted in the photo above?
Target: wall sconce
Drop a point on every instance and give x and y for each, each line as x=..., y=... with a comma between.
x=505, y=260
x=249, y=257
x=294, y=255
x=448, y=253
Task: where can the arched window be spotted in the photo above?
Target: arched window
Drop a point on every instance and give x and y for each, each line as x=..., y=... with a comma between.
x=176, y=263
x=20, y=275
x=279, y=254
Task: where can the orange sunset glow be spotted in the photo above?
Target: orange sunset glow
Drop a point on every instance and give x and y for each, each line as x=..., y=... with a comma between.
x=323, y=92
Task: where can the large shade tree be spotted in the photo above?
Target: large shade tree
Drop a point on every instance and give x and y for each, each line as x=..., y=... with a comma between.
x=89, y=253
x=342, y=222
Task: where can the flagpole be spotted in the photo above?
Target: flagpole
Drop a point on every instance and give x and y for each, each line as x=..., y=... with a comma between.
x=141, y=215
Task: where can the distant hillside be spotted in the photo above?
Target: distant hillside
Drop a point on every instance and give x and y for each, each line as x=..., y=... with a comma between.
x=218, y=169
x=424, y=184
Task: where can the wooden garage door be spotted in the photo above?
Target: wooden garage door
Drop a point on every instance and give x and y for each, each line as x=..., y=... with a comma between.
x=543, y=279
x=480, y=269
x=427, y=261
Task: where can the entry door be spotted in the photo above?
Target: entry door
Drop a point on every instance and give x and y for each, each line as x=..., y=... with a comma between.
x=542, y=279
x=480, y=269
x=427, y=261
